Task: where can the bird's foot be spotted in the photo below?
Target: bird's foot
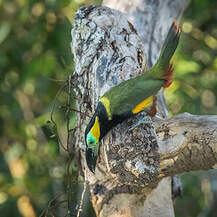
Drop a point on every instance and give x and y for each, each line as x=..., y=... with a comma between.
x=145, y=120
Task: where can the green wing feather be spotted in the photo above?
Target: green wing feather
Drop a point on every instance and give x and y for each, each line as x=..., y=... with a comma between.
x=126, y=96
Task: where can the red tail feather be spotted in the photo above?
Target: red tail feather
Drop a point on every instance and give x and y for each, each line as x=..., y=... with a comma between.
x=168, y=76
x=153, y=110
x=178, y=28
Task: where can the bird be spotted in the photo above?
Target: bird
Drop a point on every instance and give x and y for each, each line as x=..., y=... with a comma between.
x=130, y=97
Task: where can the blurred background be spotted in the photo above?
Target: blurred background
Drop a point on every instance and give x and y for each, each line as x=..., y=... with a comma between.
x=35, y=61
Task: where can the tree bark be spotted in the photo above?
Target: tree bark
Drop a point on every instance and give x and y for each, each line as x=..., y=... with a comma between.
x=132, y=177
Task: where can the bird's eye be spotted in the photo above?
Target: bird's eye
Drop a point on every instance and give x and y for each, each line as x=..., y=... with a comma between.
x=91, y=142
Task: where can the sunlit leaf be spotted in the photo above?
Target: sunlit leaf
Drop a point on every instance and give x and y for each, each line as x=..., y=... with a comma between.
x=5, y=28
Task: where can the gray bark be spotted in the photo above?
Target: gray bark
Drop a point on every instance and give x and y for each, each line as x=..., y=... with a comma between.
x=132, y=176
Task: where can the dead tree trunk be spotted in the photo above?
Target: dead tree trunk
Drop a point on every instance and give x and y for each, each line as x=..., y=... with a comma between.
x=132, y=177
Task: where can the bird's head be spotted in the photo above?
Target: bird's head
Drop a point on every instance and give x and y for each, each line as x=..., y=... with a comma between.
x=92, y=137
x=97, y=128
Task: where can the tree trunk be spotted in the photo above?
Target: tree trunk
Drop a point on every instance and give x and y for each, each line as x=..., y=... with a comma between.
x=132, y=177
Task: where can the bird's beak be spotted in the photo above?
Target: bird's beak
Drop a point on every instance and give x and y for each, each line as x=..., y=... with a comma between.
x=91, y=159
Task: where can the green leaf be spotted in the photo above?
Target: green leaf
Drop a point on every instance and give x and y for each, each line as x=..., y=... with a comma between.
x=5, y=29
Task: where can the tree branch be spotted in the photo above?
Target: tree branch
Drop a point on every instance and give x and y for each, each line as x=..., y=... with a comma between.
x=191, y=143
x=107, y=50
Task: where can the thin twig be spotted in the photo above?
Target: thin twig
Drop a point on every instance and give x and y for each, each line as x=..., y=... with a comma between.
x=45, y=211
x=82, y=196
x=69, y=174
x=52, y=114
x=68, y=113
x=50, y=208
x=82, y=113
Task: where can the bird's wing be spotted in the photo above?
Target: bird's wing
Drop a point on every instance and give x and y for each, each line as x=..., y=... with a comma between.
x=133, y=95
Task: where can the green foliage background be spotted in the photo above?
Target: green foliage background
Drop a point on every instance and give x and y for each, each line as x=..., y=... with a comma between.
x=35, y=60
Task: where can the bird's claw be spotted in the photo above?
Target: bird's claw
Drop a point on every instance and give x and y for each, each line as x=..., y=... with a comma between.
x=145, y=120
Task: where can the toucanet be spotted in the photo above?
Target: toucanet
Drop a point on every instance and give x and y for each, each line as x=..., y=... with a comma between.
x=130, y=97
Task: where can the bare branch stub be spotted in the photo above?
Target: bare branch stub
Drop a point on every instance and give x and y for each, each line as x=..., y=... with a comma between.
x=196, y=147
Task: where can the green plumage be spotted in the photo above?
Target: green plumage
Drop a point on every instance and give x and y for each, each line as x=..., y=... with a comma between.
x=126, y=96
x=119, y=103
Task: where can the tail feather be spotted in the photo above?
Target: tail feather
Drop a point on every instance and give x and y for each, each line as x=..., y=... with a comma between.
x=170, y=44
x=153, y=109
x=168, y=75
x=162, y=68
